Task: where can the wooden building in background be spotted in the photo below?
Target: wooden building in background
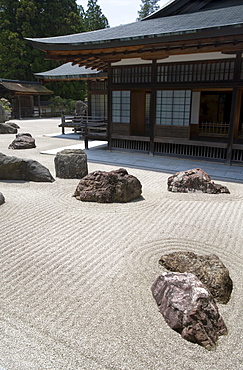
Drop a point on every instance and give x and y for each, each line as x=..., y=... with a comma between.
x=174, y=79
x=24, y=97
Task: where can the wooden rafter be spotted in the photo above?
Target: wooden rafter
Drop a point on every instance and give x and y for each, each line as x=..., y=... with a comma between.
x=99, y=58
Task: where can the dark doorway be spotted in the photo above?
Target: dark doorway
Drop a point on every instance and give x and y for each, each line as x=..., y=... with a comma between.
x=140, y=112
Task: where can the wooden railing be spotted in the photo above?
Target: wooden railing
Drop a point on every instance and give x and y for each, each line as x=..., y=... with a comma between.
x=90, y=127
x=214, y=128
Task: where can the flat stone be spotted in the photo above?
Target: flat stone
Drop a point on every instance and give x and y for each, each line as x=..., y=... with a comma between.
x=108, y=187
x=209, y=269
x=71, y=164
x=13, y=168
x=189, y=308
x=194, y=180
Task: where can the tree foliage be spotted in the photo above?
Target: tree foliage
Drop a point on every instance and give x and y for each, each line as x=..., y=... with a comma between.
x=147, y=7
x=94, y=19
x=41, y=18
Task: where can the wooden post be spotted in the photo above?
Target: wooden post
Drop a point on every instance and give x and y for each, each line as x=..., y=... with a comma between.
x=152, y=118
x=39, y=106
x=19, y=107
x=235, y=109
x=109, y=102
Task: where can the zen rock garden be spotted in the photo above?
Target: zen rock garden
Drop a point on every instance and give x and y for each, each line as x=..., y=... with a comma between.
x=108, y=187
x=187, y=295
x=194, y=180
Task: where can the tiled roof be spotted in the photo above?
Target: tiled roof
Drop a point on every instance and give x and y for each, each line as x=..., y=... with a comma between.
x=69, y=71
x=152, y=28
x=25, y=87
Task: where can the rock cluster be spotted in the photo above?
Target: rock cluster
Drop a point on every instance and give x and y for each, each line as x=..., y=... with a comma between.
x=209, y=269
x=108, y=187
x=13, y=168
x=71, y=164
x=189, y=308
x=193, y=180
x=23, y=141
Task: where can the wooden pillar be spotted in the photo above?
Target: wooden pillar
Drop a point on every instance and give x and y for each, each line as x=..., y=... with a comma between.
x=39, y=106
x=109, y=102
x=152, y=119
x=89, y=97
x=235, y=109
x=19, y=107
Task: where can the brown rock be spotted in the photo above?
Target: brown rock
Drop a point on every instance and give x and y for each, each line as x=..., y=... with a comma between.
x=108, y=187
x=192, y=180
x=189, y=308
x=23, y=141
x=209, y=269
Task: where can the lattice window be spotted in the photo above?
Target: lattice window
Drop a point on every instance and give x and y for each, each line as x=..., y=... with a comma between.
x=121, y=106
x=99, y=105
x=132, y=74
x=195, y=72
x=173, y=107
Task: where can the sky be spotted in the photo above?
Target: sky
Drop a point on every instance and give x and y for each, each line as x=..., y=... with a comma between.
x=119, y=11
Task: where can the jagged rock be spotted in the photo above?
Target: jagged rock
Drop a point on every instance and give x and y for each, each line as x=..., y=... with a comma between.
x=71, y=164
x=2, y=199
x=23, y=141
x=7, y=129
x=108, y=187
x=209, y=269
x=12, y=168
x=189, y=308
x=192, y=180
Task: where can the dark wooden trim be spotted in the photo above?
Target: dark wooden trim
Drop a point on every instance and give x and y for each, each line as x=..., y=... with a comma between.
x=109, y=111
x=235, y=108
x=153, y=106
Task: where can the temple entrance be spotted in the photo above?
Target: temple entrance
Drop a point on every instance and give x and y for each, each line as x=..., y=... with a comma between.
x=140, y=112
x=214, y=113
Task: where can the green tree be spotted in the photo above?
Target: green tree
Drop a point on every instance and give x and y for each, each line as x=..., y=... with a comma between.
x=42, y=18
x=94, y=19
x=32, y=18
x=147, y=7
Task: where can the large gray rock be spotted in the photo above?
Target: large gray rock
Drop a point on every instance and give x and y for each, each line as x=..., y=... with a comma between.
x=12, y=168
x=193, y=180
x=23, y=141
x=71, y=164
x=7, y=129
x=189, y=308
x=109, y=187
x=209, y=269
x=2, y=199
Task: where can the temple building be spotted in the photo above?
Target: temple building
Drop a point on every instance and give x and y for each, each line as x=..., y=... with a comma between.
x=172, y=82
x=24, y=97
